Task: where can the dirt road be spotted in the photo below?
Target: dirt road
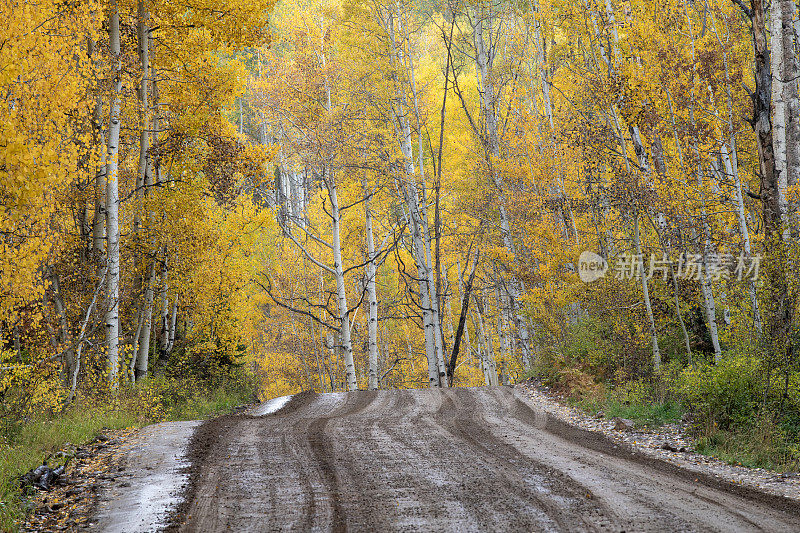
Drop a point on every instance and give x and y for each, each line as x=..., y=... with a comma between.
x=445, y=460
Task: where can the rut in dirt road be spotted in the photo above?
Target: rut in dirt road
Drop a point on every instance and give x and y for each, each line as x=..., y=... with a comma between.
x=445, y=460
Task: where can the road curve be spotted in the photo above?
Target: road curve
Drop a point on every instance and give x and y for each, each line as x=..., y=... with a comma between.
x=480, y=459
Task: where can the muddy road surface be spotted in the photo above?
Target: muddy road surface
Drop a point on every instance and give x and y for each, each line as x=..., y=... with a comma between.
x=480, y=459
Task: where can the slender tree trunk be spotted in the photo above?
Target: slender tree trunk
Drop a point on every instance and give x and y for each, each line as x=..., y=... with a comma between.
x=451, y=368
x=433, y=296
x=779, y=90
x=484, y=60
x=731, y=169
x=418, y=253
x=350, y=368
x=682, y=324
x=144, y=96
x=489, y=364
x=502, y=333
x=172, y=326
x=708, y=299
x=112, y=203
x=790, y=66
x=64, y=336
x=646, y=296
x=372, y=297
x=143, y=357
x=73, y=378
x=418, y=216
x=98, y=222
x=441, y=365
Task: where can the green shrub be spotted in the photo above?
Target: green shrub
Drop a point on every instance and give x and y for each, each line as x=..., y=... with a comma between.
x=761, y=444
x=632, y=392
x=724, y=395
x=588, y=345
x=635, y=400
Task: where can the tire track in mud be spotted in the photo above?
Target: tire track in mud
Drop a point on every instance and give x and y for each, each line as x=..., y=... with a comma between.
x=447, y=460
x=666, y=494
x=580, y=515
x=322, y=447
x=452, y=456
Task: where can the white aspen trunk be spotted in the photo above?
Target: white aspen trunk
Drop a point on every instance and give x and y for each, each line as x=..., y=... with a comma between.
x=708, y=297
x=646, y=296
x=434, y=303
x=488, y=362
x=409, y=193
x=417, y=214
x=143, y=356
x=338, y=267
x=466, y=340
x=112, y=204
x=141, y=344
x=64, y=339
x=705, y=282
x=418, y=247
x=421, y=262
x=350, y=368
x=425, y=302
x=98, y=223
x=426, y=235
x=372, y=297
x=502, y=334
x=483, y=358
x=731, y=169
x=790, y=62
x=144, y=112
x=173, y=320
x=139, y=187
x=484, y=59
x=779, y=90
x=612, y=23
x=165, y=319
x=491, y=361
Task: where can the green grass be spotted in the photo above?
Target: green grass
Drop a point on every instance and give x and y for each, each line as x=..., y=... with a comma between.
x=24, y=444
x=761, y=445
x=647, y=415
x=643, y=414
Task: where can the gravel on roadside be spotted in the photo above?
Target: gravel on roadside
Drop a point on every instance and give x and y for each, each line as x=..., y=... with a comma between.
x=670, y=443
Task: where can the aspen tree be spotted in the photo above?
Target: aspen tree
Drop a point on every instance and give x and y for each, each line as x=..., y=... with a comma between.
x=372, y=298
x=112, y=202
